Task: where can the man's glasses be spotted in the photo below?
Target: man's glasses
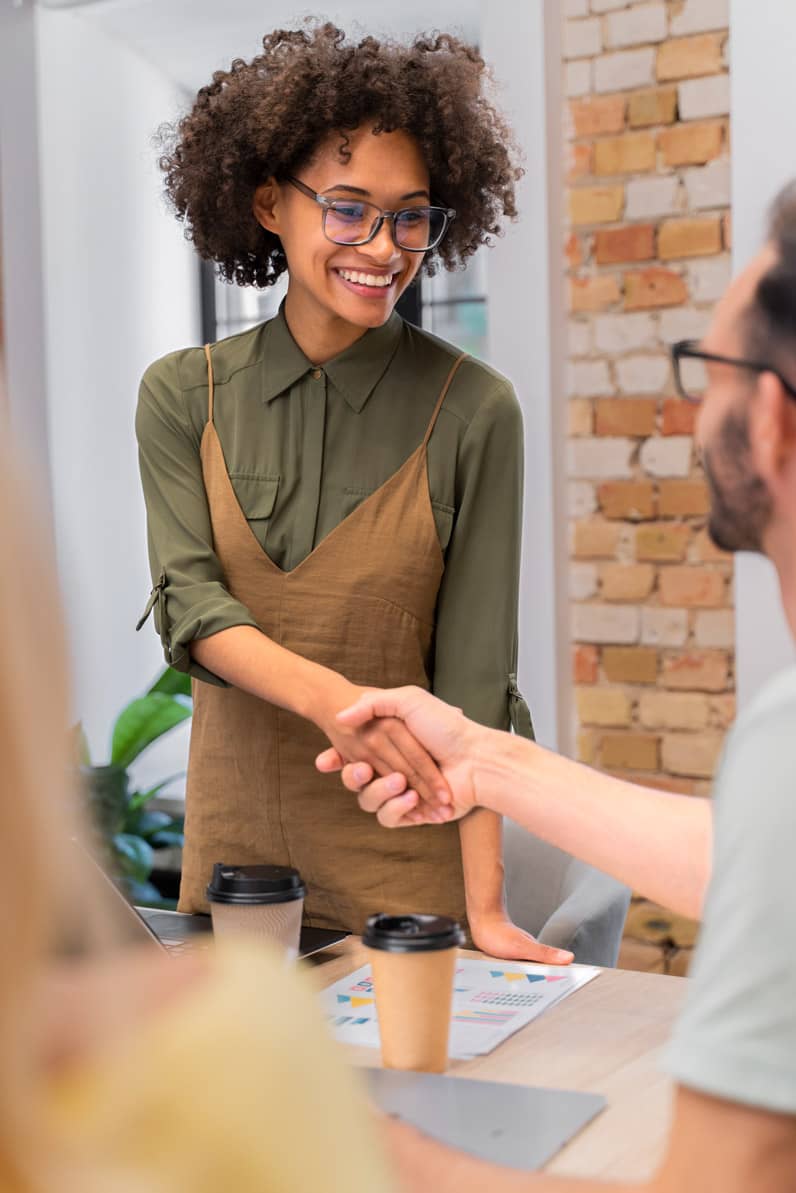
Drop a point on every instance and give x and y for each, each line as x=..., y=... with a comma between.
x=352, y=222
x=685, y=350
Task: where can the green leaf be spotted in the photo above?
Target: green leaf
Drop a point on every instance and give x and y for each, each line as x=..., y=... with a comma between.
x=145, y=894
x=134, y=856
x=139, y=798
x=144, y=824
x=142, y=722
x=172, y=683
x=167, y=838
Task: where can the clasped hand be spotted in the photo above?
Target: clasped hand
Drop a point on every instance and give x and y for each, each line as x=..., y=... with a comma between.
x=366, y=743
x=437, y=739
x=454, y=744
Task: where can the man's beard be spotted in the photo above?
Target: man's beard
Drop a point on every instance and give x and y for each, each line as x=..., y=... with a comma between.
x=740, y=505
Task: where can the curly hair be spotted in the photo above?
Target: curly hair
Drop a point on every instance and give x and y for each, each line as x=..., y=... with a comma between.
x=267, y=117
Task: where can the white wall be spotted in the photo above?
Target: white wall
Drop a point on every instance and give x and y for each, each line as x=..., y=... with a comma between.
x=763, y=83
x=121, y=288
x=525, y=330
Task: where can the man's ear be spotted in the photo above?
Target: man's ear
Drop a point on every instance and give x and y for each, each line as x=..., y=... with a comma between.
x=772, y=432
x=266, y=206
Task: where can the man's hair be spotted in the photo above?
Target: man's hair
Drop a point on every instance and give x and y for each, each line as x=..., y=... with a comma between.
x=770, y=331
x=266, y=118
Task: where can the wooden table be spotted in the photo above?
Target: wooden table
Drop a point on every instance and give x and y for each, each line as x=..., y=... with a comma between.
x=605, y=1039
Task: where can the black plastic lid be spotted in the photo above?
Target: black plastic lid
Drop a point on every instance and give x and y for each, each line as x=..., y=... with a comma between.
x=412, y=933
x=254, y=884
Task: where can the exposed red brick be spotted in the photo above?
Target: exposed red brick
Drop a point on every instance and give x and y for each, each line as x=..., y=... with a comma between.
x=634, y=242
x=679, y=417
x=625, y=416
x=654, y=287
x=633, y=500
x=598, y=115
x=593, y=294
x=585, y=661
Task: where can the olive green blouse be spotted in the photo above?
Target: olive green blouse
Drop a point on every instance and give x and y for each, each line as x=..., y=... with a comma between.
x=304, y=446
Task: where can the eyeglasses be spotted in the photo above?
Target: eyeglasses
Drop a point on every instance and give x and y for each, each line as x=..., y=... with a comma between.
x=690, y=350
x=352, y=222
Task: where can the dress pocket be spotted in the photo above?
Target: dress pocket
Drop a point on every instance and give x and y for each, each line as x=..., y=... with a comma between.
x=256, y=497
x=350, y=499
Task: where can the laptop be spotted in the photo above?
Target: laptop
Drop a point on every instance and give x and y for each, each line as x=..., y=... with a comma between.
x=176, y=932
x=517, y=1125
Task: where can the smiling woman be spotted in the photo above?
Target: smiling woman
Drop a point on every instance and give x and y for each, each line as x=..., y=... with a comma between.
x=334, y=496
x=347, y=247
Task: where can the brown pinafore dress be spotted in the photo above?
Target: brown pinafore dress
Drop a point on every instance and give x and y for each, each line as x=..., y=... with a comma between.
x=362, y=603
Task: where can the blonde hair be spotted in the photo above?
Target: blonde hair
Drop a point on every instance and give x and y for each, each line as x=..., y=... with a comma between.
x=39, y=816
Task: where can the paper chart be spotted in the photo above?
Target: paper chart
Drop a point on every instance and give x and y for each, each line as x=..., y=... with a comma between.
x=491, y=1001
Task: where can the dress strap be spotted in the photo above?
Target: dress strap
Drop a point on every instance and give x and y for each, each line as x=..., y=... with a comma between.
x=441, y=397
x=209, y=384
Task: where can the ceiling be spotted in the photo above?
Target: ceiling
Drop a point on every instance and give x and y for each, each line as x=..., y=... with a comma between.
x=189, y=39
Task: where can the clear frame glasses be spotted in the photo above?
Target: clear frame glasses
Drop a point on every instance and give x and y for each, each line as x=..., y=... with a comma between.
x=354, y=222
x=685, y=350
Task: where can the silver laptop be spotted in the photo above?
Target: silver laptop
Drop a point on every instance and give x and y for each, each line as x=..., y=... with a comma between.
x=176, y=932
x=518, y=1125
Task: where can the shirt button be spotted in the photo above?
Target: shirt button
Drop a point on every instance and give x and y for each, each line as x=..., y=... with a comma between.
x=317, y=374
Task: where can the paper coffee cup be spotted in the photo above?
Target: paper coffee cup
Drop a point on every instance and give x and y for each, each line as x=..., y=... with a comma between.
x=263, y=902
x=413, y=959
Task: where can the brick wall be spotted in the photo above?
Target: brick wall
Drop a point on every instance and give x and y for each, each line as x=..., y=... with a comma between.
x=647, y=254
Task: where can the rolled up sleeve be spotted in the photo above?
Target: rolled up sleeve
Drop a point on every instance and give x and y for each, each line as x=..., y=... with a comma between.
x=475, y=651
x=189, y=598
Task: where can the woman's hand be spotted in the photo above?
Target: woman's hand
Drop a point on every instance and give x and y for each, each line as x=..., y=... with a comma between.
x=499, y=936
x=386, y=747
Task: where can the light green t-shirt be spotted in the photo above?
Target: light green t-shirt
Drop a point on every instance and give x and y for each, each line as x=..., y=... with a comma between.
x=737, y=1036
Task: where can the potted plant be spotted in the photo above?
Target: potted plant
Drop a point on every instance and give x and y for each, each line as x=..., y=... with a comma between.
x=129, y=831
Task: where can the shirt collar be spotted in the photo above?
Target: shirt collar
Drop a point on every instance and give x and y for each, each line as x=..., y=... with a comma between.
x=355, y=373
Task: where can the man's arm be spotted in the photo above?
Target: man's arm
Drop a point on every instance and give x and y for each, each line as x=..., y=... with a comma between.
x=656, y=843
x=715, y=1147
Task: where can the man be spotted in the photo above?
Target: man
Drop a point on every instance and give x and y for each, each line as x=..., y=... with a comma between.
x=733, y=1055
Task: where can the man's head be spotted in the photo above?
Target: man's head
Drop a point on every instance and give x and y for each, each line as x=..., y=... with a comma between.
x=747, y=425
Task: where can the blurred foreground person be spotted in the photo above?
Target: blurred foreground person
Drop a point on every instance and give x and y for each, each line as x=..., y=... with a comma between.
x=122, y=1071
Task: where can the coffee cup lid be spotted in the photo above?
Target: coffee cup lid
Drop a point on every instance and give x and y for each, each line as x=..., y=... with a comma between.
x=412, y=933
x=249, y=885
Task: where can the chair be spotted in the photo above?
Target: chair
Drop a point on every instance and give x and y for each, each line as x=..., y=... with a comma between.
x=561, y=900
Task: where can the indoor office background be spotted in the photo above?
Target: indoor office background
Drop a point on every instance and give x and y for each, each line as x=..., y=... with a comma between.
x=651, y=152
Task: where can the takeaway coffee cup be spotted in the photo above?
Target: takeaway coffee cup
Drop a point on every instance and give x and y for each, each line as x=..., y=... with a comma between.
x=413, y=958
x=260, y=901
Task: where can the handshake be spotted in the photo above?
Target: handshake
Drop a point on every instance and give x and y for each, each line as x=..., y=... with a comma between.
x=457, y=745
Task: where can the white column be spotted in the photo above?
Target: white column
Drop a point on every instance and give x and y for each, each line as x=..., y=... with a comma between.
x=22, y=290
x=121, y=289
x=526, y=329
x=763, y=89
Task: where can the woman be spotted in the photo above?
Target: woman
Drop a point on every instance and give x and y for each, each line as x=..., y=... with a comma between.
x=120, y=1072
x=334, y=497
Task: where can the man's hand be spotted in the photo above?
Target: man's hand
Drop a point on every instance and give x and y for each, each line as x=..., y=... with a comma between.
x=448, y=737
